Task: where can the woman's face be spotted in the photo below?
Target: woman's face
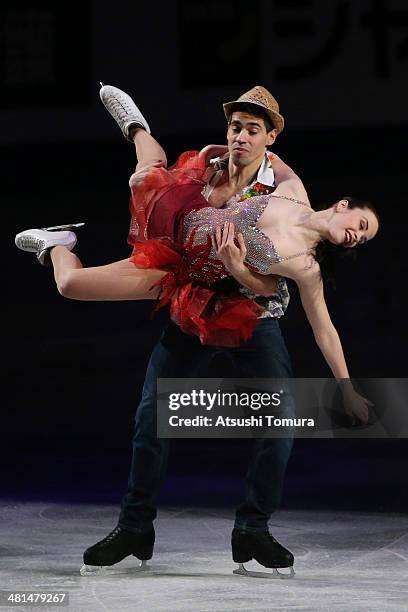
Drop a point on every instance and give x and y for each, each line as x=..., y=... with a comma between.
x=349, y=227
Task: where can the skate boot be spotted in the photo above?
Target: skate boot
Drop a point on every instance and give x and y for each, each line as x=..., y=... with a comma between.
x=123, y=109
x=262, y=547
x=117, y=545
x=40, y=241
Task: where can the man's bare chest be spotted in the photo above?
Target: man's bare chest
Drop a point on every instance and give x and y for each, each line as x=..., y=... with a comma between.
x=220, y=195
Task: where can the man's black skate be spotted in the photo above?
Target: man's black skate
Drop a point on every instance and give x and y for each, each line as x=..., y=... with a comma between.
x=262, y=547
x=117, y=545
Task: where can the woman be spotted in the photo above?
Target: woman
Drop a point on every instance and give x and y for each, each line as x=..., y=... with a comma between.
x=185, y=251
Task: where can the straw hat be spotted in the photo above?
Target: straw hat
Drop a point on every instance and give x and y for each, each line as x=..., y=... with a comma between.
x=261, y=97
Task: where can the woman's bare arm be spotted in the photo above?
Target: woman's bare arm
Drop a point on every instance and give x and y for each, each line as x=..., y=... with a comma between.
x=211, y=151
x=311, y=292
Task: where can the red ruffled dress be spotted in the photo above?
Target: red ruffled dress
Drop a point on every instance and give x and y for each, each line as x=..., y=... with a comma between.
x=164, y=233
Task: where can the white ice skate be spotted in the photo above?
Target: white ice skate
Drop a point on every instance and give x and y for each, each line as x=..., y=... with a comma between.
x=39, y=241
x=123, y=109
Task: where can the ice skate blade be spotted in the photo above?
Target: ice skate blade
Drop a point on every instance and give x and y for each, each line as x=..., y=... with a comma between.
x=97, y=570
x=143, y=567
x=69, y=226
x=241, y=571
x=92, y=570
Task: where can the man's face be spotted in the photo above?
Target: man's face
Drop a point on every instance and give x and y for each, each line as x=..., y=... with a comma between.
x=247, y=138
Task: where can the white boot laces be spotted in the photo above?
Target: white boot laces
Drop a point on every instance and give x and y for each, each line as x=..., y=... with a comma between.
x=120, y=108
x=32, y=242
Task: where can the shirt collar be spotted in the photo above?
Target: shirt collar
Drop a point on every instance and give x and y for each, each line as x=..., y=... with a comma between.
x=265, y=174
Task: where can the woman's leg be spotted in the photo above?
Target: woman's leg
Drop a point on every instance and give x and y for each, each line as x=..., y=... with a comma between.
x=121, y=280
x=149, y=153
x=148, y=150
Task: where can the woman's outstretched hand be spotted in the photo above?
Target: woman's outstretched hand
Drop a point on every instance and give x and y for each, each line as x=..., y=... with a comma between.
x=356, y=405
x=232, y=253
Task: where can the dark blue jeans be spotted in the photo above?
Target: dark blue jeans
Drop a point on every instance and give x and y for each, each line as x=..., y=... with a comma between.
x=178, y=355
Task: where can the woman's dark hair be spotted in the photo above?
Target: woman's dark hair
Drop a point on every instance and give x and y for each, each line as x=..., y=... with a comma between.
x=328, y=254
x=252, y=109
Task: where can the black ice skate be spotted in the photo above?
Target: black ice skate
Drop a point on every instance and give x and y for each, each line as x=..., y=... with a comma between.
x=262, y=547
x=117, y=545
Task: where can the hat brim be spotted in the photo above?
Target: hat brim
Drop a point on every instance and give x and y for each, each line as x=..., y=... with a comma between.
x=276, y=118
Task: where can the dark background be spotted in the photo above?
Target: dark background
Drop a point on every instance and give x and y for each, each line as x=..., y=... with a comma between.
x=74, y=371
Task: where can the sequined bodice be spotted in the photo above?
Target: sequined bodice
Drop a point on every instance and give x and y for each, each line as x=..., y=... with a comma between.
x=261, y=253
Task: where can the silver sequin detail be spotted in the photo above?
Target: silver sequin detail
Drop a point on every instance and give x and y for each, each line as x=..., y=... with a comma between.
x=245, y=214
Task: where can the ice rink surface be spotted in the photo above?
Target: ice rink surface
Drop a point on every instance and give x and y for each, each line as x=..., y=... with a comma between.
x=343, y=562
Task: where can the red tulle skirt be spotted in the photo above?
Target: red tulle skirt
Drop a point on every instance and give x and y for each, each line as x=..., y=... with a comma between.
x=199, y=301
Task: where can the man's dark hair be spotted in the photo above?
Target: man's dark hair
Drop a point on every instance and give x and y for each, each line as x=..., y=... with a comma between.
x=252, y=109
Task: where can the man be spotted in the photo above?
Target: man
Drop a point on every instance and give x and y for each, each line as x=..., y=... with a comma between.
x=254, y=122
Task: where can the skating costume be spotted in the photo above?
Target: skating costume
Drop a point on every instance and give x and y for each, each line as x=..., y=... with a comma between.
x=171, y=230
